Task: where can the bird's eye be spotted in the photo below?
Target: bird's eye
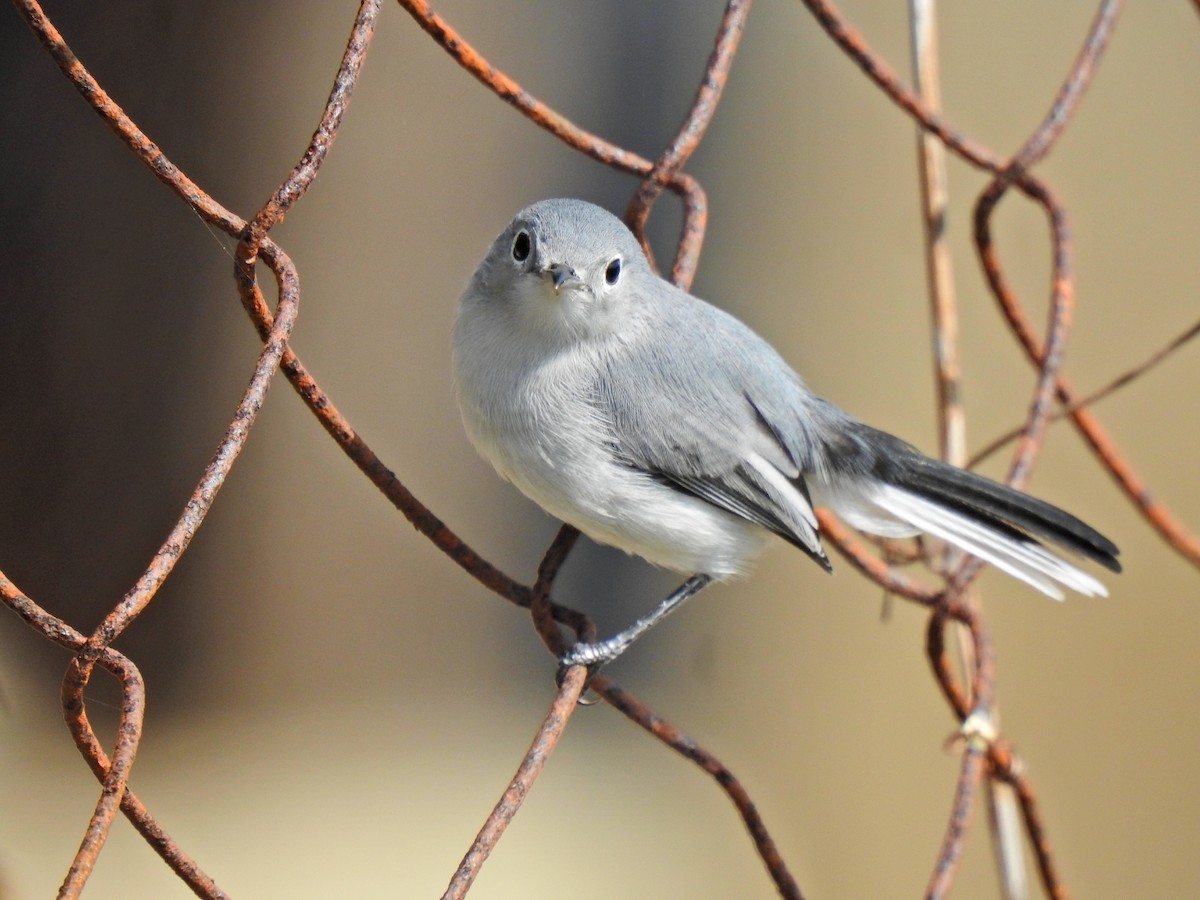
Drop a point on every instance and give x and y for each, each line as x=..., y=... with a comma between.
x=521, y=246
x=613, y=271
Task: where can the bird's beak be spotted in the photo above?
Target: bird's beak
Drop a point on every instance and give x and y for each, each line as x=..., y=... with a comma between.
x=560, y=275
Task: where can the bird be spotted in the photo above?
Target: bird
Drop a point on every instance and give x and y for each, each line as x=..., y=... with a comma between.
x=657, y=423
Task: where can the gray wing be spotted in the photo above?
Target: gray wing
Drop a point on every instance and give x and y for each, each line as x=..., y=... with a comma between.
x=709, y=408
x=696, y=399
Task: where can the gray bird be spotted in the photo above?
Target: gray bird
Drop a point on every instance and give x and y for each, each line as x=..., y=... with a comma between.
x=659, y=424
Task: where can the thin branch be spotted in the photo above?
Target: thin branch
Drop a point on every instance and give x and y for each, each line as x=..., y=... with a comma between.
x=1123, y=380
x=943, y=304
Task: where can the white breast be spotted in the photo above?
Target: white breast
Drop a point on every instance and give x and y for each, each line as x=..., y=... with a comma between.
x=536, y=422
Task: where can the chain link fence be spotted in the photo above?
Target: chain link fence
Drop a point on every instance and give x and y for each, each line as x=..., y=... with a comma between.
x=329, y=694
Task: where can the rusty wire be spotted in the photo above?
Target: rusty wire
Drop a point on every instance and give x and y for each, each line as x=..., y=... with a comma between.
x=987, y=756
x=514, y=795
x=1156, y=512
x=114, y=773
x=689, y=749
x=1120, y=381
x=1029, y=441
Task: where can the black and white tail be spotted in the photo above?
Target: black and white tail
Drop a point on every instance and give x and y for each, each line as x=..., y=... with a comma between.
x=907, y=492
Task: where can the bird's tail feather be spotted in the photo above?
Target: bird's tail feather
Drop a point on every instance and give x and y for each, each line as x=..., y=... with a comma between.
x=1016, y=554
x=995, y=522
x=974, y=494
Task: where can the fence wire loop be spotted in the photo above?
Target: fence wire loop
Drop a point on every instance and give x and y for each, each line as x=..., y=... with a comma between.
x=969, y=691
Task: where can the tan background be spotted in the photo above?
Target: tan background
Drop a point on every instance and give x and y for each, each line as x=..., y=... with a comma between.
x=334, y=707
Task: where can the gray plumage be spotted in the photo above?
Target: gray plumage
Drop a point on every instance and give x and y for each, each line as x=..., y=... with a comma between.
x=657, y=423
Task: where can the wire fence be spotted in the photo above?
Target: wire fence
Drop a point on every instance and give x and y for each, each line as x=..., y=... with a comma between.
x=966, y=679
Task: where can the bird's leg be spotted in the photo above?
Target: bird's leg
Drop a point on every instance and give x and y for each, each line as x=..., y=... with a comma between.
x=595, y=655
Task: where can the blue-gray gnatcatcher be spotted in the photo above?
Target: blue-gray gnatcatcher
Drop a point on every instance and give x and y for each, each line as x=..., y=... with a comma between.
x=656, y=423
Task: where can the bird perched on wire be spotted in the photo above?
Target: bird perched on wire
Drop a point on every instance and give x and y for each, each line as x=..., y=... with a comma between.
x=657, y=423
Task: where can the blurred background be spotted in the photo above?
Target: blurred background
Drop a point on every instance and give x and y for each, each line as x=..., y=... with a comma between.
x=334, y=706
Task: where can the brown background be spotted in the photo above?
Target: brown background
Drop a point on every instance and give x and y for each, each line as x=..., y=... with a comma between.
x=334, y=707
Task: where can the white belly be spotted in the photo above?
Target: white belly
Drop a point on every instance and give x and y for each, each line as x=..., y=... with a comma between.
x=550, y=444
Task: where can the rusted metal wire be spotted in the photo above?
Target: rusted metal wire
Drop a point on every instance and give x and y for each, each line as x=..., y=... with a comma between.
x=58, y=631
x=1006, y=766
x=115, y=776
x=689, y=190
x=1062, y=295
x=674, y=738
x=946, y=867
x=305, y=172
x=544, y=742
x=544, y=611
x=984, y=755
x=1049, y=360
x=982, y=701
x=321, y=405
x=305, y=385
x=1127, y=377
x=1153, y=510
x=1062, y=299
x=687, y=139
